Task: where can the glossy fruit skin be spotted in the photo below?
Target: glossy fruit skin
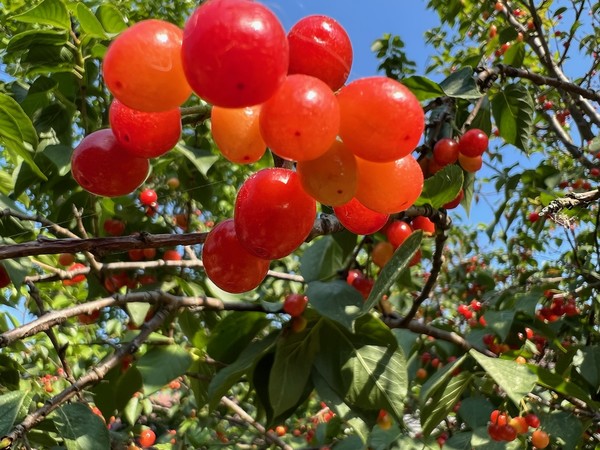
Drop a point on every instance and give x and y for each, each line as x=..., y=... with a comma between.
x=66, y=259
x=320, y=47
x=295, y=304
x=171, y=255
x=301, y=120
x=77, y=278
x=273, y=215
x=397, y=232
x=423, y=223
x=359, y=219
x=228, y=264
x=473, y=143
x=381, y=120
x=389, y=187
x=235, y=53
x=532, y=420
x=445, y=151
x=540, y=439
x=148, y=196
x=382, y=252
x=147, y=438
x=470, y=163
x=331, y=178
x=145, y=134
x=237, y=133
x=114, y=227
x=102, y=167
x=4, y=277
x=143, y=68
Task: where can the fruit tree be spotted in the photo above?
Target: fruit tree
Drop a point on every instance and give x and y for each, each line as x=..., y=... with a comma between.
x=213, y=236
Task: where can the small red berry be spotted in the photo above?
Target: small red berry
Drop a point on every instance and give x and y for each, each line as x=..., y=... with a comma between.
x=148, y=197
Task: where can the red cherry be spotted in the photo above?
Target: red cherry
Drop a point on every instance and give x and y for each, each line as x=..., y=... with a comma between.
x=320, y=47
x=101, y=166
x=135, y=254
x=445, y=151
x=114, y=227
x=364, y=286
x=473, y=143
x=147, y=438
x=87, y=319
x=148, y=197
x=228, y=264
x=301, y=120
x=273, y=215
x=540, y=439
x=77, y=278
x=145, y=134
x=359, y=219
x=143, y=68
x=4, y=277
x=235, y=53
x=423, y=223
x=534, y=216
x=532, y=420
x=295, y=304
x=66, y=259
x=353, y=275
x=382, y=120
x=397, y=232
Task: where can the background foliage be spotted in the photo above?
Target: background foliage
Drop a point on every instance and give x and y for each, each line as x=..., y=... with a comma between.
x=172, y=352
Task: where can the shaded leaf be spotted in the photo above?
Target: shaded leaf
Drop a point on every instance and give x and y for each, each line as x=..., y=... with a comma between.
x=557, y=383
x=461, y=84
x=515, y=379
x=515, y=54
x=423, y=87
x=229, y=375
x=33, y=39
x=336, y=300
x=442, y=187
x=590, y=366
x=173, y=362
x=291, y=368
x=322, y=260
x=10, y=404
x=500, y=322
x=81, y=428
x=392, y=270
x=203, y=160
x=232, y=334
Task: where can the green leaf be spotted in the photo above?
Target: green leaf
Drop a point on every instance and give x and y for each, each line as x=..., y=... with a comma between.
x=160, y=365
x=483, y=119
x=89, y=23
x=515, y=379
x=231, y=374
x=469, y=191
x=81, y=428
x=443, y=400
x=18, y=269
x=111, y=18
x=14, y=123
x=9, y=373
x=461, y=84
x=442, y=187
x=367, y=373
x=31, y=39
x=512, y=108
x=48, y=12
x=515, y=54
x=423, y=87
x=565, y=428
x=500, y=322
x=115, y=390
x=132, y=411
x=392, y=270
x=294, y=355
x=475, y=411
x=557, y=383
x=232, y=333
x=203, y=160
x=60, y=157
x=322, y=260
x=336, y=300
x=590, y=366
x=200, y=383
x=10, y=405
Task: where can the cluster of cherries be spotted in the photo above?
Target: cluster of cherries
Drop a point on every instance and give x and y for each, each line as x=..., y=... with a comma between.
x=351, y=143
x=559, y=306
x=502, y=427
